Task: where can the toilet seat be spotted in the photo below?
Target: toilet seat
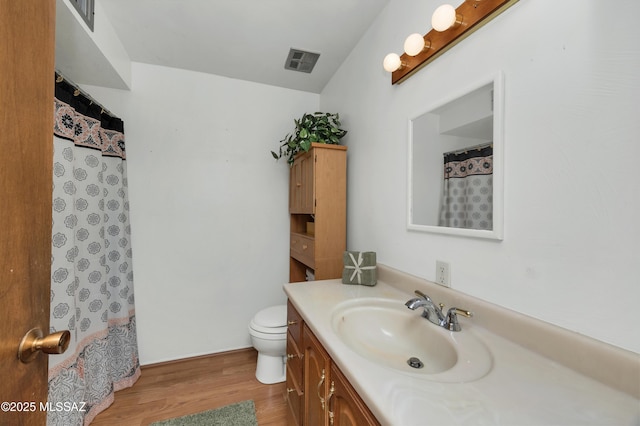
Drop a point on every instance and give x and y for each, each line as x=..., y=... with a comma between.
x=271, y=320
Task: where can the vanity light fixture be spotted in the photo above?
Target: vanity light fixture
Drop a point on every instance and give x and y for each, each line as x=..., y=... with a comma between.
x=445, y=17
x=392, y=62
x=450, y=26
x=416, y=44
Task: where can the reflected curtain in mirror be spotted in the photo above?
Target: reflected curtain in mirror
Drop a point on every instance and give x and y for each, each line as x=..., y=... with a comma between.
x=467, y=193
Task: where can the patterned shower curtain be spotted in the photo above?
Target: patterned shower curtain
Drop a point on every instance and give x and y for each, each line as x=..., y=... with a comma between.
x=92, y=276
x=467, y=196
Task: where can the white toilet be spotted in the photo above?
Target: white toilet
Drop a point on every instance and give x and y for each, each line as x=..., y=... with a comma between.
x=268, y=330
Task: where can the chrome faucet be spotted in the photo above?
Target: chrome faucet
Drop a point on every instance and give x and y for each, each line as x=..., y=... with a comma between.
x=434, y=313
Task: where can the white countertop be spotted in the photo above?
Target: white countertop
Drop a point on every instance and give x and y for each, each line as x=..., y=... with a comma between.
x=522, y=387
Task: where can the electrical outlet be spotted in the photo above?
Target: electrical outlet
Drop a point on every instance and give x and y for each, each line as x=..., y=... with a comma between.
x=443, y=276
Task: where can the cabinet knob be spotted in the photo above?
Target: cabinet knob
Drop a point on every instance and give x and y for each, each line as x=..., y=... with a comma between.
x=298, y=184
x=289, y=356
x=292, y=322
x=304, y=247
x=289, y=390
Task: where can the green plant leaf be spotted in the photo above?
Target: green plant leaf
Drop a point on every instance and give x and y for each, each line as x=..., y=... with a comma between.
x=311, y=127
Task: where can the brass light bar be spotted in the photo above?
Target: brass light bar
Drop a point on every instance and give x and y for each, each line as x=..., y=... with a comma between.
x=475, y=13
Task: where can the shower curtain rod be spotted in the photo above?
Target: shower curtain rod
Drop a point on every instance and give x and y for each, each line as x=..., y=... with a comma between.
x=470, y=148
x=78, y=91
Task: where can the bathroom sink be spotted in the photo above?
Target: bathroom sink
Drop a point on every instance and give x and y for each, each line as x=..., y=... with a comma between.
x=387, y=333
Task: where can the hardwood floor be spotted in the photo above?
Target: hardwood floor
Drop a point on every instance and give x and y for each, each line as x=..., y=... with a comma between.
x=185, y=387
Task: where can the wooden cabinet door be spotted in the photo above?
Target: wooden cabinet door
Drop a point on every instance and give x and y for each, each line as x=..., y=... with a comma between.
x=308, y=198
x=301, y=185
x=316, y=385
x=295, y=186
x=345, y=407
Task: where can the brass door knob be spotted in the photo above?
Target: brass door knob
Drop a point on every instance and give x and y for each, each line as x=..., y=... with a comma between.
x=33, y=342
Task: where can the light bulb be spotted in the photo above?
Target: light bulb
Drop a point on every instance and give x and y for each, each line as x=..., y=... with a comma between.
x=392, y=62
x=414, y=44
x=444, y=17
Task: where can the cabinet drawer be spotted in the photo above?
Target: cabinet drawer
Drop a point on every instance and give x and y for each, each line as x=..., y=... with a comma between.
x=294, y=324
x=295, y=401
x=294, y=360
x=302, y=249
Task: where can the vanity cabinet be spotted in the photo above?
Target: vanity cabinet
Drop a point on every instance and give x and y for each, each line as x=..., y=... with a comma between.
x=318, y=212
x=318, y=393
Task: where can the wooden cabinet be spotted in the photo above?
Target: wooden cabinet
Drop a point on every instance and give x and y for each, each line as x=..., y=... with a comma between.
x=318, y=195
x=318, y=393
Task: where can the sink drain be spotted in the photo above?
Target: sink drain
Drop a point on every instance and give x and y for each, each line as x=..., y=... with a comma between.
x=415, y=362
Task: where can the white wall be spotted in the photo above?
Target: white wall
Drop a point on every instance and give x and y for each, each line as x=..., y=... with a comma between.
x=208, y=204
x=571, y=248
x=90, y=57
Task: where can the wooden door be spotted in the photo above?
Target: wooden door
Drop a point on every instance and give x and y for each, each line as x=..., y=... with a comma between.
x=27, y=36
x=316, y=386
x=345, y=406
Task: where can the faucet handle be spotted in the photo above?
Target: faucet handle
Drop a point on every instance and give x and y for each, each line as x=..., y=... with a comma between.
x=420, y=294
x=452, y=318
x=463, y=312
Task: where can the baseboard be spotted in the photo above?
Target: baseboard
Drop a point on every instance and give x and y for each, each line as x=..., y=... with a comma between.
x=197, y=357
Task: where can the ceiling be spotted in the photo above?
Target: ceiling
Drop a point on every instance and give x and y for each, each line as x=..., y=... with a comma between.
x=241, y=39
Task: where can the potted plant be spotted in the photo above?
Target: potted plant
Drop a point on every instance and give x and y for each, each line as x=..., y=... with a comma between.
x=320, y=127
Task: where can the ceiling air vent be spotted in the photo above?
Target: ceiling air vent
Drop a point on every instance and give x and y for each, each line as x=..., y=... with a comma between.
x=299, y=60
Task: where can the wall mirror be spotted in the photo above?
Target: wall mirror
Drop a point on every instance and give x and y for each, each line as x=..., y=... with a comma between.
x=455, y=170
